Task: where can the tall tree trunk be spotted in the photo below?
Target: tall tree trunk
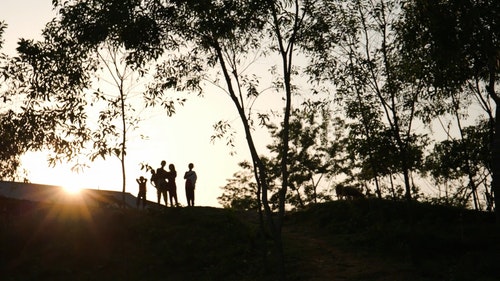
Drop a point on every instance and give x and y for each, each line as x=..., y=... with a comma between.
x=495, y=162
x=393, y=190
x=286, y=50
x=468, y=168
x=377, y=188
x=124, y=139
x=406, y=175
x=260, y=169
x=495, y=145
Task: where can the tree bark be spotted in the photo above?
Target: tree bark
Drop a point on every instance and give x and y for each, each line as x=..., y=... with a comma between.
x=495, y=145
x=495, y=163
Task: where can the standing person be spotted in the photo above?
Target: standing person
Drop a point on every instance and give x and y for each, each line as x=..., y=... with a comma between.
x=172, y=186
x=161, y=184
x=190, y=177
x=155, y=183
x=142, y=191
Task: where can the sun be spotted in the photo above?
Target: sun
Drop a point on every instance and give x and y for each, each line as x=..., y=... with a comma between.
x=71, y=189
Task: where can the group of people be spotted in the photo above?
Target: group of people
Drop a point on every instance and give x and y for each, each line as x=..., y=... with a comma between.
x=164, y=182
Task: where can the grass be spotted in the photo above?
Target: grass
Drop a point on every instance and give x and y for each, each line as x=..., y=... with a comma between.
x=342, y=240
x=400, y=241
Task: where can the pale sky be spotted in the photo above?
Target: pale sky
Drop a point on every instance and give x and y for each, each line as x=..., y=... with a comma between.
x=180, y=139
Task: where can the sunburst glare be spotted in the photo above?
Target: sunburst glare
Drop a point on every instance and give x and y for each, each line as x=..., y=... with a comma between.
x=71, y=189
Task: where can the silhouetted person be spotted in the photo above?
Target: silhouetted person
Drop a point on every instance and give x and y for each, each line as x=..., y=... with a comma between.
x=172, y=186
x=154, y=183
x=142, y=191
x=161, y=184
x=190, y=177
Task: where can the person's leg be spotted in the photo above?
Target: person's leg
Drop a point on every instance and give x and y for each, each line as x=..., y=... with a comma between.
x=192, y=197
x=170, y=197
x=165, y=197
x=174, y=195
x=143, y=200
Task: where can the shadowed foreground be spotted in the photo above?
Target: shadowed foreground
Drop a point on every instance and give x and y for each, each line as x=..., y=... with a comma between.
x=357, y=240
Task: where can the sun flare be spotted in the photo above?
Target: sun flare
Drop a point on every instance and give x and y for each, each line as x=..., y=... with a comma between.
x=71, y=189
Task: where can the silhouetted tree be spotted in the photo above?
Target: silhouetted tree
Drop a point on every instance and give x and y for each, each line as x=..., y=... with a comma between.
x=461, y=166
x=240, y=192
x=360, y=53
x=38, y=113
x=313, y=153
x=451, y=43
x=107, y=88
x=110, y=137
x=202, y=35
x=377, y=158
x=3, y=26
x=11, y=150
x=6, y=162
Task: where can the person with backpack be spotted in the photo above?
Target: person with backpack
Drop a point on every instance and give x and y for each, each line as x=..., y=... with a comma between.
x=158, y=179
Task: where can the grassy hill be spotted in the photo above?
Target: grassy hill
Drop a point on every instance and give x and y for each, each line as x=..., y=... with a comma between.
x=386, y=240
x=355, y=240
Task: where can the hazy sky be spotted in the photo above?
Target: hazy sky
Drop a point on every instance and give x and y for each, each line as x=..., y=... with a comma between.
x=180, y=139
